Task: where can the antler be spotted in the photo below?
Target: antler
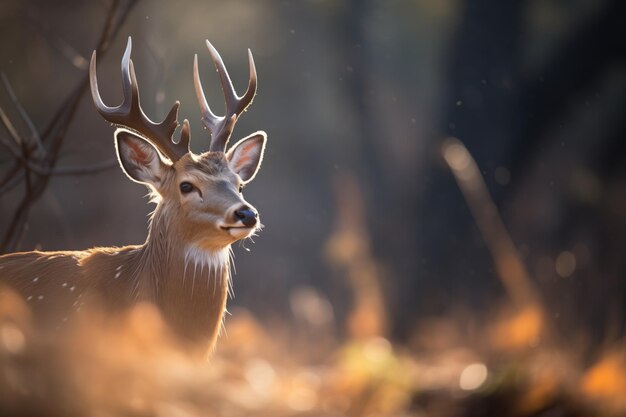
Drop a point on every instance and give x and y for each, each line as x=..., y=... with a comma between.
x=129, y=114
x=221, y=127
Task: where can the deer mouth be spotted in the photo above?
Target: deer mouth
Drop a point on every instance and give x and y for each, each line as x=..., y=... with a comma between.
x=238, y=232
x=236, y=227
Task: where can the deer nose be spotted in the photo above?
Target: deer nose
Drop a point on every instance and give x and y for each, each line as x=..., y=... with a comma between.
x=247, y=216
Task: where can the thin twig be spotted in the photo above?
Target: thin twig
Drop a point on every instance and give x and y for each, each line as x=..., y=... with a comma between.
x=84, y=170
x=77, y=60
x=25, y=117
x=8, y=125
x=11, y=181
x=9, y=174
x=509, y=266
x=111, y=26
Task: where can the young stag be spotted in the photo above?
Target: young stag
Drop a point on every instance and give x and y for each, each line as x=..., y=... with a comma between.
x=183, y=266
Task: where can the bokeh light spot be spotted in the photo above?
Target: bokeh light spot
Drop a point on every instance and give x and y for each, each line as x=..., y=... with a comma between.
x=565, y=264
x=473, y=376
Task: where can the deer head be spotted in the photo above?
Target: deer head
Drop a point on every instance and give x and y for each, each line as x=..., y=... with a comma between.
x=200, y=194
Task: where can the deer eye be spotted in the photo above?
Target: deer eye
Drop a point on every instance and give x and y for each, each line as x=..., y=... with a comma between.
x=186, y=187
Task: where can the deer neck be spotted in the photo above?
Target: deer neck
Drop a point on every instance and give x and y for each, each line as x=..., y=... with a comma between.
x=189, y=284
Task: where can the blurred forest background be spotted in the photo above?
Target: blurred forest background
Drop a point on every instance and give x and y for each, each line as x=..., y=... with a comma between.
x=366, y=226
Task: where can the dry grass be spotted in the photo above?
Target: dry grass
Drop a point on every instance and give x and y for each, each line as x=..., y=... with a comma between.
x=130, y=366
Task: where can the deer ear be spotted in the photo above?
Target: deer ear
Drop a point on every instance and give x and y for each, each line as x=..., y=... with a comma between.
x=245, y=157
x=139, y=159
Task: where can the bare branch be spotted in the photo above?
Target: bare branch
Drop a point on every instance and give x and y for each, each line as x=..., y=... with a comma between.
x=63, y=171
x=68, y=51
x=509, y=266
x=12, y=177
x=8, y=125
x=54, y=135
x=12, y=183
x=31, y=126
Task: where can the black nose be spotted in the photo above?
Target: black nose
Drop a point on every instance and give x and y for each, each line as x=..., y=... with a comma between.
x=247, y=216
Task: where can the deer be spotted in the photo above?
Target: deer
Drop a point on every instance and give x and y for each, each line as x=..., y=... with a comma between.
x=183, y=267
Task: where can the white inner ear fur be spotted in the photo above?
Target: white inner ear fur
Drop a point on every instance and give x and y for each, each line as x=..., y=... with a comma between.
x=245, y=157
x=139, y=159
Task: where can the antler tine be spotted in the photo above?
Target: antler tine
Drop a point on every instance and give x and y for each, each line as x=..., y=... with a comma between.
x=221, y=127
x=251, y=91
x=130, y=115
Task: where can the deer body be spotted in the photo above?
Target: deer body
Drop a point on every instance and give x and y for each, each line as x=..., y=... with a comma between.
x=191, y=293
x=183, y=267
